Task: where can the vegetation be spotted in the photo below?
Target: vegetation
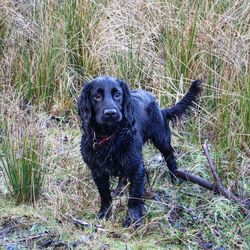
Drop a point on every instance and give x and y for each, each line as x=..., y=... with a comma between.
x=21, y=154
x=22, y=168
x=48, y=48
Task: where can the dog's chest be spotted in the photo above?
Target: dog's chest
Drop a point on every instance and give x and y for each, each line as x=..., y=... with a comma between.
x=103, y=159
x=107, y=162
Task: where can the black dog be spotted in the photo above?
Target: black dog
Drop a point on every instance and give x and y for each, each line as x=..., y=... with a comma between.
x=116, y=123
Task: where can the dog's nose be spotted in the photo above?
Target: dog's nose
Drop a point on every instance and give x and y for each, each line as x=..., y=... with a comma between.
x=110, y=112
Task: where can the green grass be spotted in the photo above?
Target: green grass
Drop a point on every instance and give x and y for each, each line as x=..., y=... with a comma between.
x=186, y=217
x=21, y=159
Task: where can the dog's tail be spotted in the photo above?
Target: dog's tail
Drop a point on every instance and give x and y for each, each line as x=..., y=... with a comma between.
x=187, y=101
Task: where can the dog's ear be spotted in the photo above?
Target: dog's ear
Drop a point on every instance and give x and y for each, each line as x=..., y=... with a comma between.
x=128, y=109
x=84, y=106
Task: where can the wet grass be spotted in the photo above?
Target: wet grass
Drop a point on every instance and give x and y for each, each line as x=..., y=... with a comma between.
x=177, y=216
x=23, y=169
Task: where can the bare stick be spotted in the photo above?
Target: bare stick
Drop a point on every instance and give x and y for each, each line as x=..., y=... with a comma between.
x=84, y=224
x=184, y=174
x=211, y=163
x=217, y=186
x=221, y=189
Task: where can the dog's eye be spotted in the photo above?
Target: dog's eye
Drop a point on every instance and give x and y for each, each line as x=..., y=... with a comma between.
x=117, y=95
x=98, y=97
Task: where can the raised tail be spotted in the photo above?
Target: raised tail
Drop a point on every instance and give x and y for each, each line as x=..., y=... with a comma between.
x=187, y=101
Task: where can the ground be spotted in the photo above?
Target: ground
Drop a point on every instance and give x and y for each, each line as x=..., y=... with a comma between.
x=178, y=216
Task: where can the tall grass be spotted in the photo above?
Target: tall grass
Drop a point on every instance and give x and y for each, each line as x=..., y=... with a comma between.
x=21, y=149
x=80, y=22
x=48, y=43
x=2, y=30
x=50, y=47
x=22, y=167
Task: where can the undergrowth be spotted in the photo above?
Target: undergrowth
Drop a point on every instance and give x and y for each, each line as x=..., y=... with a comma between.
x=22, y=168
x=21, y=149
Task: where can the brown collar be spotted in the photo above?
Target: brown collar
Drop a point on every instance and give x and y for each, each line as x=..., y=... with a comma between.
x=102, y=141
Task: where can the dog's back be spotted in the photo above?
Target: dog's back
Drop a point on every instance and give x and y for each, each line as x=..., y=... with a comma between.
x=148, y=113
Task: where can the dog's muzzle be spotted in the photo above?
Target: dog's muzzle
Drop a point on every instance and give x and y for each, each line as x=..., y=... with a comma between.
x=110, y=112
x=111, y=115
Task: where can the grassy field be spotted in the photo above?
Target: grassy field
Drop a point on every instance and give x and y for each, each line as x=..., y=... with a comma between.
x=48, y=48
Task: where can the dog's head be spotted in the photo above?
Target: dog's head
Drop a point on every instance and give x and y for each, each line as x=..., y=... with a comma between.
x=104, y=101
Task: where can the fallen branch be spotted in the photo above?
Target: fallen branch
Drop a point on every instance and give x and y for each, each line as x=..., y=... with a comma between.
x=217, y=186
x=218, y=183
x=184, y=174
x=84, y=224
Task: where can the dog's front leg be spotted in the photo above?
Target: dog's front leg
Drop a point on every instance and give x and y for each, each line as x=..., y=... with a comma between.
x=135, y=202
x=102, y=183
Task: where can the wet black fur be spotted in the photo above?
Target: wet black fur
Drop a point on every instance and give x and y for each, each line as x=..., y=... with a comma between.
x=142, y=120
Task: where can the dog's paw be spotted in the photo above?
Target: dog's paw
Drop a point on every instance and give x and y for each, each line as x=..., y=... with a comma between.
x=104, y=213
x=134, y=217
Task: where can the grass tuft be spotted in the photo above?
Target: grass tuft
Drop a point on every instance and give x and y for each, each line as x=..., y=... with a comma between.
x=21, y=152
x=22, y=167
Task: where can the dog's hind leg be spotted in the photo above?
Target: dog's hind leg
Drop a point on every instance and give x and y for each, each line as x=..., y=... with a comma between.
x=160, y=135
x=164, y=146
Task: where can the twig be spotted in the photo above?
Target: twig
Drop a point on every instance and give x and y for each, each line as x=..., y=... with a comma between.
x=84, y=224
x=219, y=186
x=218, y=183
x=80, y=223
x=34, y=237
x=195, y=179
